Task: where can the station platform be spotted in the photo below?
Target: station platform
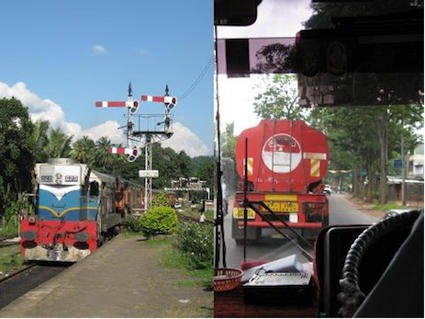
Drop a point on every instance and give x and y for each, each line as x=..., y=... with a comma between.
x=121, y=279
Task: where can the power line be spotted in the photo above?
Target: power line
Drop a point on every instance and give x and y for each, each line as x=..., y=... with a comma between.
x=198, y=79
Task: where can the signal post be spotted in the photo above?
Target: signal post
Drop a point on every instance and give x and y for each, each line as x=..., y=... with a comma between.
x=144, y=134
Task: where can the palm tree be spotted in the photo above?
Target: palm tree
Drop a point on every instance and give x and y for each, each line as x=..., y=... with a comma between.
x=59, y=144
x=39, y=140
x=83, y=150
x=103, y=158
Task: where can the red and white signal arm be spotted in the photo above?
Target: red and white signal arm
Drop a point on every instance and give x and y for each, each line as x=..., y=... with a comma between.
x=169, y=101
x=133, y=153
x=132, y=105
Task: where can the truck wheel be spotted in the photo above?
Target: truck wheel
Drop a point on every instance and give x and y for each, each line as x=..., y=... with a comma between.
x=252, y=233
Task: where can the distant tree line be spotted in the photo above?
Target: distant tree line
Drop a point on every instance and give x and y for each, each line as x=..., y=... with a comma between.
x=24, y=143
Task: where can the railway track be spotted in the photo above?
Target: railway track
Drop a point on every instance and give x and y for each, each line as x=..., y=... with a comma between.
x=26, y=279
x=5, y=241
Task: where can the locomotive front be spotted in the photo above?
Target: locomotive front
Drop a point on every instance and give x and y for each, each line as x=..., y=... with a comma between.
x=64, y=226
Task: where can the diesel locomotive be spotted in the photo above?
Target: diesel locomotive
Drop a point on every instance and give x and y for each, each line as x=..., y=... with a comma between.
x=76, y=210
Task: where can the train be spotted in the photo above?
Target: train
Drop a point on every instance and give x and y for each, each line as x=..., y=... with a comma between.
x=286, y=163
x=76, y=210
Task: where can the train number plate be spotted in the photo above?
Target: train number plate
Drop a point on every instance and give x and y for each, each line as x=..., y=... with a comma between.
x=238, y=213
x=46, y=179
x=71, y=178
x=283, y=207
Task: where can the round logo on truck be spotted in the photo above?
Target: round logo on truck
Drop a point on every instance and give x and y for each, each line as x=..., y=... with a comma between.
x=281, y=153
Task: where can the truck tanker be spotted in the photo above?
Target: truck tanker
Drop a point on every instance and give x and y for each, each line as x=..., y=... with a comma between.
x=286, y=163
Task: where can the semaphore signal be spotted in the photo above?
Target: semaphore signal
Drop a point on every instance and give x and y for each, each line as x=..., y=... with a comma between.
x=133, y=153
x=148, y=136
x=169, y=101
x=132, y=105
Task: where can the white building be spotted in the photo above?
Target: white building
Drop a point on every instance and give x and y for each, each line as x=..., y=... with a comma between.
x=416, y=162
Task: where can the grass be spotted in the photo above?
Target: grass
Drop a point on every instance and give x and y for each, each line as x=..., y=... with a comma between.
x=389, y=206
x=174, y=259
x=9, y=230
x=10, y=258
x=195, y=213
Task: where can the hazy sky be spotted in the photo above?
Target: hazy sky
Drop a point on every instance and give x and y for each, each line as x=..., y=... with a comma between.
x=59, y=57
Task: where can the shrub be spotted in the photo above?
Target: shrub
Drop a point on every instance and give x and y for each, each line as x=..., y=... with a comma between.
x=196, y=240
x=160, y=200
x=158, y=220
x=132, y=224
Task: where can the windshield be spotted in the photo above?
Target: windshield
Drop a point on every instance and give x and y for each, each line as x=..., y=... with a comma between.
x=327, y=97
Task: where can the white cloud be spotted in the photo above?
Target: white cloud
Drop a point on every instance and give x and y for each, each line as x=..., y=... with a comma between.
x=237, y=101
x=45, y=109
x=186, y=140
x=109, y=129
x=99, y=49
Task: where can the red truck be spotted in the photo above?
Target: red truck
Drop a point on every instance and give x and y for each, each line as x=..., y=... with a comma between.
x=287, y=161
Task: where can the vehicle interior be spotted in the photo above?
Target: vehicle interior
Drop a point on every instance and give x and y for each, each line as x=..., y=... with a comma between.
x=366, y=53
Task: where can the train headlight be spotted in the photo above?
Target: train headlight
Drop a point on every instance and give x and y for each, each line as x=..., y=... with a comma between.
x=32, y=220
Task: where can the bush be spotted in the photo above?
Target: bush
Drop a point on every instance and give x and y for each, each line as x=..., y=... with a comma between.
x=132, y=224
x=196, y=240
x=160, y=200
x=158, y=220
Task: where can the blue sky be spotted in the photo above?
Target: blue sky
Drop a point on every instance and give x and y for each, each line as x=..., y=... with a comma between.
x=60, y=57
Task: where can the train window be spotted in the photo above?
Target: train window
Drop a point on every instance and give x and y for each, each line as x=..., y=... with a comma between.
x=94, y=189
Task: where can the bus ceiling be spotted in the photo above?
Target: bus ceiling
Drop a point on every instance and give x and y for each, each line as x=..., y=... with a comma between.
x=336, y=66
x=235, y=12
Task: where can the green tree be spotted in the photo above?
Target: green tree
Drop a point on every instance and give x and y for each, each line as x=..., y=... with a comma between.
x=229, y=145
x=39, y=140
x=83, y=150
x=279, y=99
x=160, y=200
x=204, y=169
x=184, y=163
x=361, y=138
x=103, y=160
x=17, y=159
x=58, y=144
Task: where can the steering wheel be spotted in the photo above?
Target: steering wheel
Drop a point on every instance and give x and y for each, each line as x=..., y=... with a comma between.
x=351, y=296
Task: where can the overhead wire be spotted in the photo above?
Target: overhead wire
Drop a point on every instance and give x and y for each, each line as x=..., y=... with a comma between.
x=198, y=79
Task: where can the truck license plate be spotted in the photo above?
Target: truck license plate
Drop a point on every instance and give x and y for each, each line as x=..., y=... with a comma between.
x=283, y=207
x=238, y=213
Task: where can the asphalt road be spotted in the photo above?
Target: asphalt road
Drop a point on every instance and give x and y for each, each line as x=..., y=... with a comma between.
x=272, y=246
